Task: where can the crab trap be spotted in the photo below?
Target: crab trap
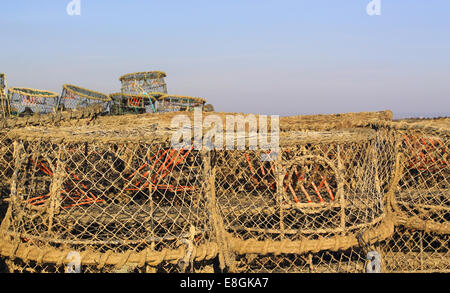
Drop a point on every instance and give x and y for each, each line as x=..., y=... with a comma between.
x=141, y=83
x=321, y=192
x=172, y=103
x=121, y=198
x=74, y=97
x=25, y=101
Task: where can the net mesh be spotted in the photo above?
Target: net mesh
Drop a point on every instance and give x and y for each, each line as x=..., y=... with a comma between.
x=360, y=195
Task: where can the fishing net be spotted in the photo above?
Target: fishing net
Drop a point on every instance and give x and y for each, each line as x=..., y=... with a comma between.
x=136, y=104
x=141, y=83
x=74, y=97
x=24, y=101
x=171, y=103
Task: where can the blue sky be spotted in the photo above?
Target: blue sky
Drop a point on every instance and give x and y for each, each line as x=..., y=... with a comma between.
x=253, y=56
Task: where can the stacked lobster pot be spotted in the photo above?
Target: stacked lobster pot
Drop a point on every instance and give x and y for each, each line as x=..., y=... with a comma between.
x=74, y=97
x=420, y=197
x=139, y=92
x=341, y=193
x=25, y=101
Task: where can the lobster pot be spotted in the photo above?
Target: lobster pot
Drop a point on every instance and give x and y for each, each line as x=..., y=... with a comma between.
x=127, y=103
x=317, y=194
x=170, y=103
x=74, y=97
x=24, y=101
x=125, y=201
x=423, y=194
x=140, y=83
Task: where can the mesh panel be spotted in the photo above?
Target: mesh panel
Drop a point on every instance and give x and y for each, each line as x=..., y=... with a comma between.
x=416, y=251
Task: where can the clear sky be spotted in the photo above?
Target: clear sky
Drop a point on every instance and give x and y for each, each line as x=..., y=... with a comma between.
x=254, y=56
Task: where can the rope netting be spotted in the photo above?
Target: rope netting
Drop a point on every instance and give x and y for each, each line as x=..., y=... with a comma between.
x=24, y=101
x=141, y=83
x=173, y=103
x=364, y=194
x=74, y=97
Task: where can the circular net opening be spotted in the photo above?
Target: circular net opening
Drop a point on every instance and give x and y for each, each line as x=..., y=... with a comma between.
x=24, y=101
x=171, y=103
x=144, y=83
x=74, y=97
